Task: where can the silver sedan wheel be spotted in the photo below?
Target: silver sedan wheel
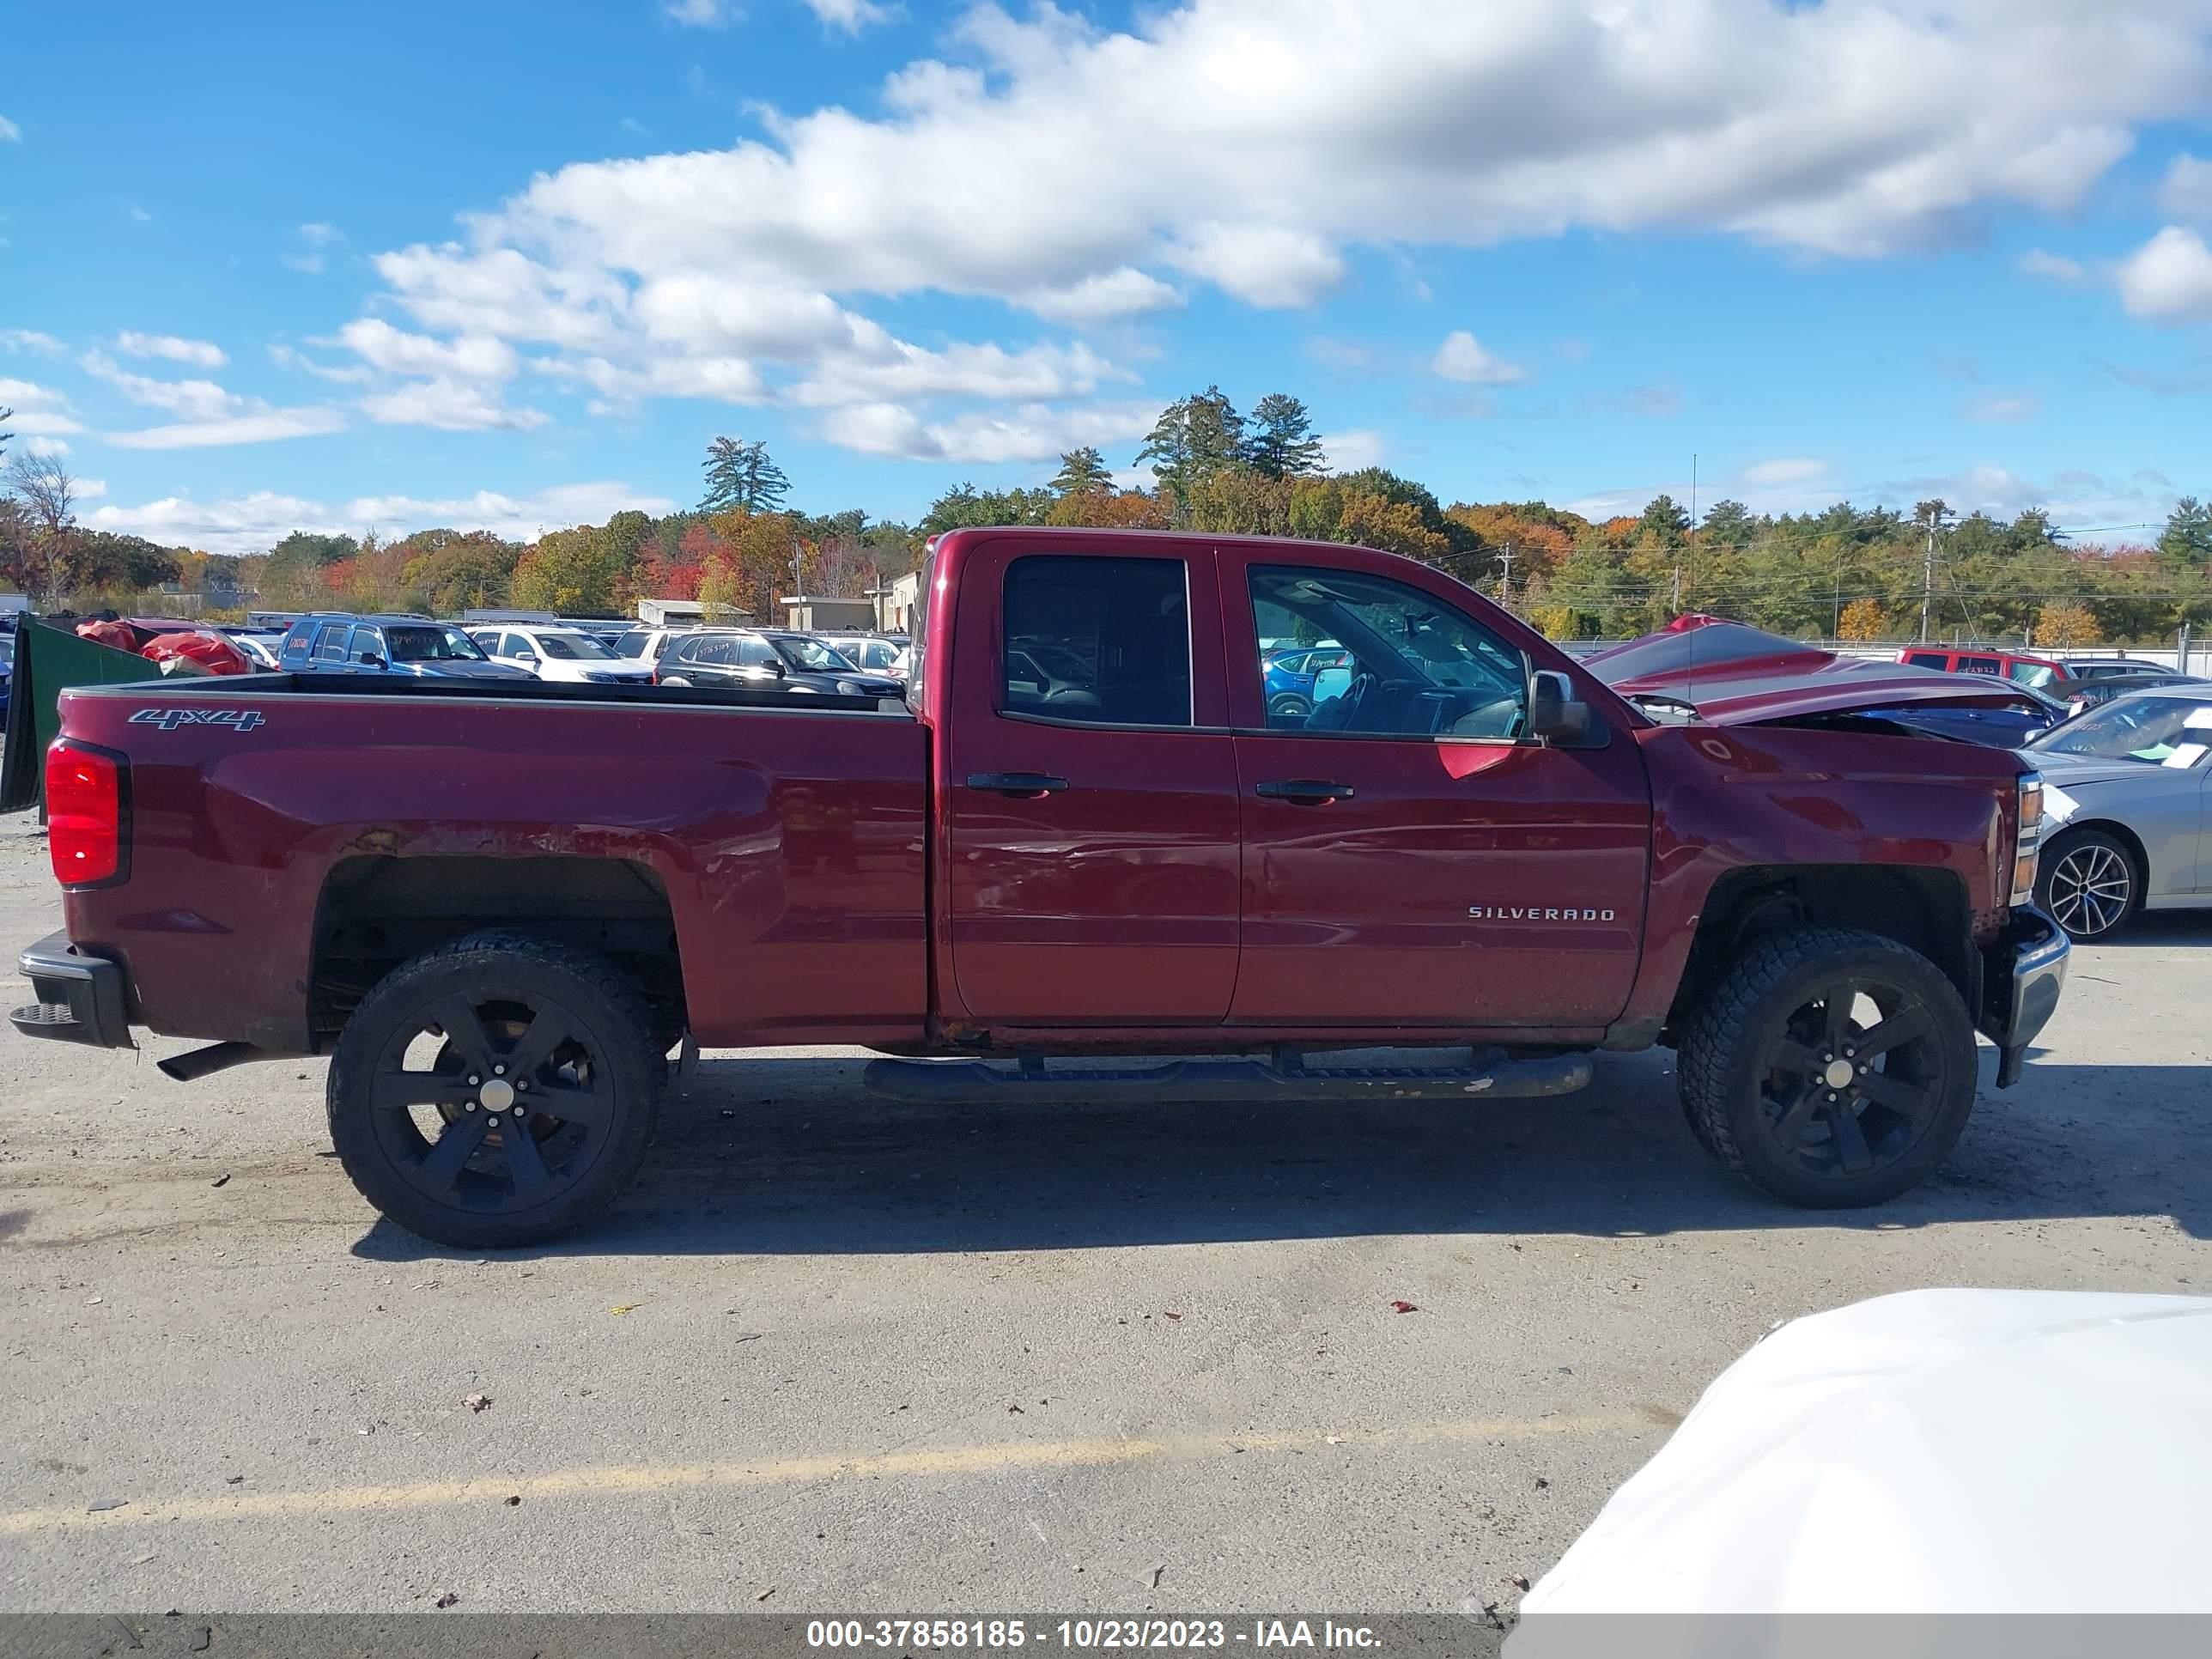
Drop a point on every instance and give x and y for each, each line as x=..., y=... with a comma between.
x=2091, y=887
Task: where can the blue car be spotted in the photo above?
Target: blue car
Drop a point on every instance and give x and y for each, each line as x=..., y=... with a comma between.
x=1289, y=675
x=326, y=644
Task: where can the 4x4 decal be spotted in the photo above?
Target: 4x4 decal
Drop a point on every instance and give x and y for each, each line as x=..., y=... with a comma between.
x=239, y=720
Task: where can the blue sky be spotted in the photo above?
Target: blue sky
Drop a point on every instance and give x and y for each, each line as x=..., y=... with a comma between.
x=516, y=264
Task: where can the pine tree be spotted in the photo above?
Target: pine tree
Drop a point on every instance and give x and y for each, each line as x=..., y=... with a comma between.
x=1283, y=445
x=1082, y=472
x=741, y=475
x=1194, y=437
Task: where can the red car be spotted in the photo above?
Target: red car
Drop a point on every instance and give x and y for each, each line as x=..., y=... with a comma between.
x=498, y=908
x=2038, y=673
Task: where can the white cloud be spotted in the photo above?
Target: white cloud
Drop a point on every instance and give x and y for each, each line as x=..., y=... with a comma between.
x=2185, y=192
x=40, y=411
x=1124, y=292
x=2168, y=279
x=1347, y=452
x=1784, y=470
x=1270, y=265
x=198, y=400
x=725, y=379
x=9, y=132
x=315, y=233
x=1034, y=432
x=2055, y=266
x=1462, y=357
x=54, y=446
x=1998, y=406
x=471, y=357
x=29, y=339
x=850, y=16
x=886, y=367
x=450, y=406
x=261, y=425
x=701, y=13
x=199, y=353
x=252, y=524
x=285, y=357
x=89, y=490
x=311, y=264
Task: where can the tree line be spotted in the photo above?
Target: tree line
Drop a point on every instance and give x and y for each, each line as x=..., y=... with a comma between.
x=1857, y=572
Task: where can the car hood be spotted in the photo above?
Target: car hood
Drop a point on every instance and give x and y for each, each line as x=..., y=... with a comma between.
x=2078, y=771
x=465, y=671
x=1732, y=674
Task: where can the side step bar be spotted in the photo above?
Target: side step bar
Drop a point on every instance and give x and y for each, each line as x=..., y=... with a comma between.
x=1225, y=1081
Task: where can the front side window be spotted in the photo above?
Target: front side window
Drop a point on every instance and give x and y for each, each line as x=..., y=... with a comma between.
x=1101, y=641
x=753, y=652
x=365, y=645
x=331, y=642
x=428, y=643
x=1405, y=665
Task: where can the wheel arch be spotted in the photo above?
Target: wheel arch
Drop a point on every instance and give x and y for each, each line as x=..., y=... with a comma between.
x=1926, y=910
x=2138, y=852
x=376, y=911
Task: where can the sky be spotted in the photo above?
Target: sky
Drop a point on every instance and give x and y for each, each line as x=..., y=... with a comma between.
x=512, y=265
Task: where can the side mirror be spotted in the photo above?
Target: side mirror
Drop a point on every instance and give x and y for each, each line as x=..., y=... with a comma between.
x=1331, y=683
x=370, y=660
x=775, y=669
x=1555, y=714
x=529, y=658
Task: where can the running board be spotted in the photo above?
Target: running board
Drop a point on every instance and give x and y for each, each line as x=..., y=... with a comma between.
x=1225, y=1081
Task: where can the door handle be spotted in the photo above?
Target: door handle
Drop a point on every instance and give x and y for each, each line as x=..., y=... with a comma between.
x=1017, y=785
x=1303, y=792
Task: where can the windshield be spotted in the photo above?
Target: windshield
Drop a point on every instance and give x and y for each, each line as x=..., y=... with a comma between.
x=2146, y=727
x=811, y=655
x=430, y=644
x=574, y=648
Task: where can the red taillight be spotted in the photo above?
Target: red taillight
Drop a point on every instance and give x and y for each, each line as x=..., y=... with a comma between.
x=84, y=814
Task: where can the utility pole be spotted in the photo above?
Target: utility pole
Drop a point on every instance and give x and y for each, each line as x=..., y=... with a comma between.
x=1693, y=535
x=1932, y=514
x=1505, y=582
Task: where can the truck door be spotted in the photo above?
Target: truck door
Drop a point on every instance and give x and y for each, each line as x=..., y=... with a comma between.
x=1090, y=789
x=1410, y=858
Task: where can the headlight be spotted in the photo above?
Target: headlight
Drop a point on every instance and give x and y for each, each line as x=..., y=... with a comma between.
x=2031, y=838
x=851, y=688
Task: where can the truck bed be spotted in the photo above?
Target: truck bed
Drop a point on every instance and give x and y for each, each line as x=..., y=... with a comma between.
x=326, y=821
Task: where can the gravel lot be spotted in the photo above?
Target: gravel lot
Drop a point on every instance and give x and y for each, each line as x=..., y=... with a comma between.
x=835, y=1355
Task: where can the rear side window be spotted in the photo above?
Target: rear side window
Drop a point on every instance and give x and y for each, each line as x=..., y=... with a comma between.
x=1102, y=641
x=1927, y=658
x=1980, y=666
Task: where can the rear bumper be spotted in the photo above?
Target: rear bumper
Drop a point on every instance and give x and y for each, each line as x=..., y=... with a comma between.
x=2024, y=973
x=80, y=998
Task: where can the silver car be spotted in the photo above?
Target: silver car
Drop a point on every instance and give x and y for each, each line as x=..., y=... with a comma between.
x=2124, y=806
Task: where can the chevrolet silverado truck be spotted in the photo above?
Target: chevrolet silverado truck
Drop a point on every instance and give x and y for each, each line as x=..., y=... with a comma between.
x=1083, y=835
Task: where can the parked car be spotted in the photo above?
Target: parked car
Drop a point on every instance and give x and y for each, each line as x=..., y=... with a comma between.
x=200, y=651
x=7, y=673
x=768, y=659
x=2101, y=689
x=260, y=646
x=2036, y=1456
x=2039, y=672
x=2127, y=790
x=327, y=644
x=558, y=653
x=1287, y=677
x=1705, y=667
x=499, y=953
x=872, y=654
x=647, y=645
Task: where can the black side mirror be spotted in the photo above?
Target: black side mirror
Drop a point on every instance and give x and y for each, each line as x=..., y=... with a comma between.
x=370, y=660
x=1555, y=714
x=776, y=671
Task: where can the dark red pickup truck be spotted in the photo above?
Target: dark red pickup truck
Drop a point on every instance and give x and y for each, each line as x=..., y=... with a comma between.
x=500, y=909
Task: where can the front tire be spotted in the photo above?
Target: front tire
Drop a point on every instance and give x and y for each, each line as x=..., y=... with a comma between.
x=2089, y=884
x=674, y=679
x=1831, y=1069
x=496, y=1091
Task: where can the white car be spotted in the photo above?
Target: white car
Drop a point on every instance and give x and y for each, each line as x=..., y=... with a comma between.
x=648, y=645
x=1941, y=1451
x=559, y=653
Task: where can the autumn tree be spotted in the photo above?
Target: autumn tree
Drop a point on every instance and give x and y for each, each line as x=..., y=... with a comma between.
x=571, y=572
x=1861, y=620
x=1126, y=509
x=1194, y=437
x=741, y=475
x=2065, y=621
x=1282, y=444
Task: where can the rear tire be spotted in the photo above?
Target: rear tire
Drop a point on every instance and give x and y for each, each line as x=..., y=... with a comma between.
x=2088, y=884
x=1831, y=1069
x=496, y=1091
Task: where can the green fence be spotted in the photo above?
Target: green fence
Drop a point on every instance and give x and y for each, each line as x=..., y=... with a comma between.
x=49, y=660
